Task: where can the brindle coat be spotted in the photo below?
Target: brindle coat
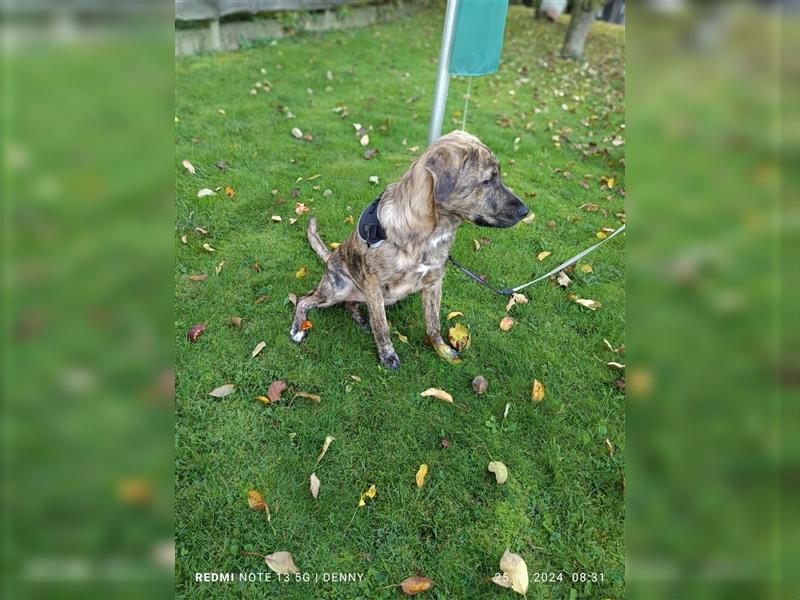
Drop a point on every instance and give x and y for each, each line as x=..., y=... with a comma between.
x=457, y=179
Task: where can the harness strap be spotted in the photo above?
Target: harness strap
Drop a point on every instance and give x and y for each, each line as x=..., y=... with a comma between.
x=369, y=226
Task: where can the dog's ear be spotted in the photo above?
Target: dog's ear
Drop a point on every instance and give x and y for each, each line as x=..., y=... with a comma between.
x=441, y=164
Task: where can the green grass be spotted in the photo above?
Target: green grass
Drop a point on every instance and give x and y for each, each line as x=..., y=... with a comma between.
x=562, y=507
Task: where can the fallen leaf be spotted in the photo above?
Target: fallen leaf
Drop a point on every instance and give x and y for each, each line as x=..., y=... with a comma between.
x=236, y=321
x=195, y=331
x=222, y=391
x=314, y=485
x=459, y=337
x=301, y=272
x=421, y=473
x=205, y=192
x=281, y=562
x=616, y=365
x=276, y=219
x=261, y=299
x=189, y=167
x=529, y=219
x=334, y=245
x=500, y=471
x=218, y=268
x=373, y=179
x=325, y=446
x=300, y=208
x=609, y=447
x=349, y=219
x=370, y=493
x=306, y=325
x=516, y=299
x=454, y=314
x=313, y=177
x=355, y=378
x=276, y=388
x=590, y=304
x=229, y=191
x=221, y=165
x=184, y=239
x=477, y=245
x=601, y=234
x=436, y=393
x=585, y=268
x=479, y=384
x=201, y=230
x=200, y=277
x=563, y=279
x=445, y=442
x=263, y=399
x=412, y=586
x=370, y=153
x=364, y=141
x=309, y=395
x=208, y=248
x=297, y=133
x=259, y=347
x=328, y=193
x=537, y=391
x=515, y=573
x=542, y=255
x=256, y=501
x=308, y=137
x=292, y=221
x=292, y=298
x=506, y=323
x=401, y=337
x=590, y=207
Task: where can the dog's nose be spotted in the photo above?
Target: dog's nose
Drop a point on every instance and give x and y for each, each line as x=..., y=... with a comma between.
x=522, y=210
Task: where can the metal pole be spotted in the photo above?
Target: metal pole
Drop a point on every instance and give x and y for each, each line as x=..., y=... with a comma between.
x=443, y=74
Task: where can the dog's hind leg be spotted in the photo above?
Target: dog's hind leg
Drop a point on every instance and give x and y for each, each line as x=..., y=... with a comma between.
x=358, y=316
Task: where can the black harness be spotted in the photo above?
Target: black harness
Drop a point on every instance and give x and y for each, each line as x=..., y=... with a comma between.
x=369, y=227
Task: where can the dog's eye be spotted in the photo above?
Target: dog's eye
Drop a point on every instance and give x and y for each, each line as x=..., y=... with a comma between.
x=491, y=179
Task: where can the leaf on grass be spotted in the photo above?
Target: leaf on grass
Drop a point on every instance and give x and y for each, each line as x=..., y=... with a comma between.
x=542, y=255
x=195, y=331
x=370, y=493
x=459, y=337
x=529, y=219
x=276, y=218
x=590, y=304
x=421, y=473
x=515, y=573
x=325, y=446
x=259, y=347
x=412, y=586
x=184, y=239
x=263, y=399
x=301, y=272
x=516, y=299
x=189, y=167
x=208, y=247
x=616, y=365
x=236, y=321
x=364, y=141
x=479, y=384
x=297, y=133
x=309, y=395
x=373, y=179
x=601, y=234
x=563, y=279
x=506, y=323
x=222, y=391
x=281, y=562
x=229, y=191
x=590, y=207
x=276, y=388
x=500, y=471
x=609, y=447
x=300, y=208
x=205, y=192
x=401, y=337
x=306, y=325
x=200, y=277
x=437, y=393
x=454, y=314
x=334, y=245
x=537, y=391
x=586, y=268
x=256, y=501
x=314, y=485
x=218, y=268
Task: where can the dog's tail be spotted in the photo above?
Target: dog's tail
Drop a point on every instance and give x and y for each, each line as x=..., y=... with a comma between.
x=315, y=241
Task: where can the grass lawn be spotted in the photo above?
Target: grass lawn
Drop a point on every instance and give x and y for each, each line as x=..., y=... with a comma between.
x=562, y=507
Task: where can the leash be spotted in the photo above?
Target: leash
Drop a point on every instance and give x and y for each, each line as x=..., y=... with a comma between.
x=550, y=273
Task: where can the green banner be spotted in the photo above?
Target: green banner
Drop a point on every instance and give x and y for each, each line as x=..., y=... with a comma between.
x=478, y=37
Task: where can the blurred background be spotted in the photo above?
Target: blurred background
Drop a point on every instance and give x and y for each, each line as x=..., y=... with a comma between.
x=712, y=350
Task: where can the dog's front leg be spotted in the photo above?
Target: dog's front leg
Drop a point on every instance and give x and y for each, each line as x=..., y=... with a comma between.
x=380, y=327
x=431, y=305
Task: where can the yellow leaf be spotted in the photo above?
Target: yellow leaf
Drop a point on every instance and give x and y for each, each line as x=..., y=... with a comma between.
x=412, y=586
x=401, y=337
x=349, y=219
x=500, y=471
x=371, y=491
x=310, y=396
x=537, y=391
x=610, y=183
x=601, y=234
x=263, y=399
x=477, y=245
x=436, y=393
x=325, y=446
x=586, y=268
x=515, y=573
x=259, y=347
x=542, y=255
x=609, y=447
x=335, y=245
x=590, y=304
x=454, y=314
x=208, y=247
x=459, y=337
x=421, y=473
x=301, y=272
x=229, y=191
x=506, y=323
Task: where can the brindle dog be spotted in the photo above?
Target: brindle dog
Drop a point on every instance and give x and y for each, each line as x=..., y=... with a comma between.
x=457, y=179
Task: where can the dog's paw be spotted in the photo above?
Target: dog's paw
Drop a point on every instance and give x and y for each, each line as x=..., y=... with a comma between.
x=297, y=334
x=390, y=360
x=447, y=353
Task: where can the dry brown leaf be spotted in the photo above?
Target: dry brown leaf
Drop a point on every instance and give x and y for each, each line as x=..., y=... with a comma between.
x=256, y=501
x=506, y=323
x=437, y=393
x=259, y=347
x=563, y=279
x=276, y=388
x=325, y=446
x=189, y=167
x=236, y=321
x=309, y=395
x=515, y=573
x=500, y=471
x=454, y=314
x=222, y=390
x=314, y=485
x=281, y=562
x=292, y=298
x=200, y=277
x=479, y=384
x=516, y=299
x=542, y=255
x=306, y=325
x=459, y=337
x=412, y=586
x=590, y=304
x=195, y=331
x=421, y=473
x=537, y=391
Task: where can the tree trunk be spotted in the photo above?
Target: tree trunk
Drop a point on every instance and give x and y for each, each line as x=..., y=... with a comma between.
x=583, y=12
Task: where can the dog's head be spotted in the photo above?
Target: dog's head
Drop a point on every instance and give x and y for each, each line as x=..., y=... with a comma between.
x=466, y=182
